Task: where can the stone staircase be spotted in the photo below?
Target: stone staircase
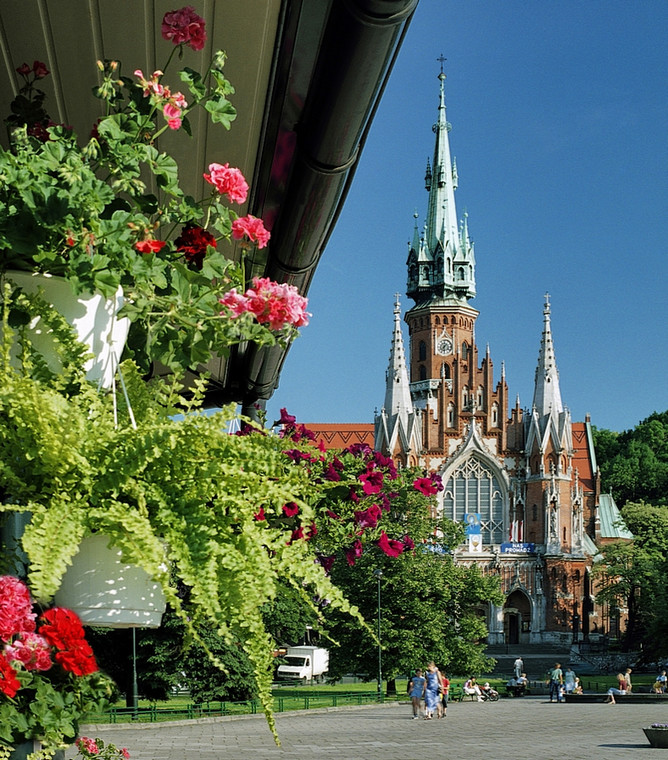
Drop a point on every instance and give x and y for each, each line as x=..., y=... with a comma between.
x=538, y=659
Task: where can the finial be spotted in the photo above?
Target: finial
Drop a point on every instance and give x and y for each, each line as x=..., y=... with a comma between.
x=441, y=59
x=547, y=304
x=397, y=305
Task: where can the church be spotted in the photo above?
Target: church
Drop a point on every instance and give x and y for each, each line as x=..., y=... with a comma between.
x=524, y=482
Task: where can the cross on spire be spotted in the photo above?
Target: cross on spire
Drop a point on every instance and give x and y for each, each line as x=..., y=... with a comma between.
x=441, y=59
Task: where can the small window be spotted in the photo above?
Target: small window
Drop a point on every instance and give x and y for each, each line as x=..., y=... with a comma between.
x=534, y=512
x=423, y=372
x=422, y=351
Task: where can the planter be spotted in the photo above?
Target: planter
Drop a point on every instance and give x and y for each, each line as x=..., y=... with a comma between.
x=105, y=591
x=657, y=737
x=91, y=315
x=21, y=751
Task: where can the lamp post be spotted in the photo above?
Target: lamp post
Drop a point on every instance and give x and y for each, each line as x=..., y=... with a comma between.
x=379, y=574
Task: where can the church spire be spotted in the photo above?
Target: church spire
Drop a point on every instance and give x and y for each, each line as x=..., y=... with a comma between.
x=547, y=396
x=442, y=264
x=397, y=387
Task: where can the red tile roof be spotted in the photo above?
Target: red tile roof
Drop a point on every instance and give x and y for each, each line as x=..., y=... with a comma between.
x=339, y=435
x=581, y=459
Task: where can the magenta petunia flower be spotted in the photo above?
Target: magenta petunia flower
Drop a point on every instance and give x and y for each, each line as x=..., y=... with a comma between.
x=390, y=546
x=354, y=552
x=425, y=486
x=372, y=482
x=368, y=518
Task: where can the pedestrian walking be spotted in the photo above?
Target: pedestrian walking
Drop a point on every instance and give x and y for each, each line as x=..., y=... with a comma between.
x=432, y=691
x=518, y=666
x=416, y=689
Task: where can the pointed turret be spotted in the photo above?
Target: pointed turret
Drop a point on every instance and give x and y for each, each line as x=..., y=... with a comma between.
x=397, y=387
x=546, y=395
x=442, y=266
x=397, y=427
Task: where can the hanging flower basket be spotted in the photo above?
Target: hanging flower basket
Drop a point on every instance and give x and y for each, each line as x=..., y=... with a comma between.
x=92, y=316
x=657, y=735
x=103, y=590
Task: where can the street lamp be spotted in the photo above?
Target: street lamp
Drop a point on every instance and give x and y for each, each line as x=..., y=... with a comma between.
x=379, y=574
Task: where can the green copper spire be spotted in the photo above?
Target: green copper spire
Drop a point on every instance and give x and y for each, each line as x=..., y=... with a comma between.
x=442, y=263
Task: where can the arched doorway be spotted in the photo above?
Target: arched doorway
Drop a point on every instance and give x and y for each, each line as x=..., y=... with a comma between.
x=517, y=618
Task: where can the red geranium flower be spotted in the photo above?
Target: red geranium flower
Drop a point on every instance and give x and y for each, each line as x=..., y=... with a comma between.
x=150, y=246
x=9, y=683
x=16, y=615
x=193, y=243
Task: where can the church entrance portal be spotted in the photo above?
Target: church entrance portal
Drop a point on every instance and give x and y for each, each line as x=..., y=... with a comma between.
x=517, y=618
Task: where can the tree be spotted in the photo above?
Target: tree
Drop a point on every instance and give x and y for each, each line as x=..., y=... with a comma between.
x=633, y=575
x=430, y=607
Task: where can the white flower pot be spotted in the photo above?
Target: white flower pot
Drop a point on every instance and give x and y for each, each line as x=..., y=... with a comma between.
x=103, y=590
x=91, y=315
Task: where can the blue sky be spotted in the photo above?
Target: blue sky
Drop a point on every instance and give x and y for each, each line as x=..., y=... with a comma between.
x=559, y=114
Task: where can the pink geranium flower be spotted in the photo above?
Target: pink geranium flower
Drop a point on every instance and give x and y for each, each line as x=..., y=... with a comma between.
x=252, y=228
x=228, y=181
x=16, y=615
x=271, y=303
x=184, y=27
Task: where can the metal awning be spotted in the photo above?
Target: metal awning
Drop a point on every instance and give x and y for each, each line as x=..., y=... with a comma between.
x=308, y=75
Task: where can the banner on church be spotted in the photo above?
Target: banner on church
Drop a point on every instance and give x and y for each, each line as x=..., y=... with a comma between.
x=474, y=532
x=517, y=547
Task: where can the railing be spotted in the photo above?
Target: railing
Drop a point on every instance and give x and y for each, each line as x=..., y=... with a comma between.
x=282, y=703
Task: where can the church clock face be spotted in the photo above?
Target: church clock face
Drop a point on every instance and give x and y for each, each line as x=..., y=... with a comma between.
x=444, y=346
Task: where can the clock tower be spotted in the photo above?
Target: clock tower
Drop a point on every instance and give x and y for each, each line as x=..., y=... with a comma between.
x=446, y=382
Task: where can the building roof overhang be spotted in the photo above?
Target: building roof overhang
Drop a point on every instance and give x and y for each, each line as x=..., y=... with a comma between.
x=308, y=79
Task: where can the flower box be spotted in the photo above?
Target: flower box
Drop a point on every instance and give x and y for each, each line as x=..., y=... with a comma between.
x=657, y=736
x=104, y=590
x=92, y=316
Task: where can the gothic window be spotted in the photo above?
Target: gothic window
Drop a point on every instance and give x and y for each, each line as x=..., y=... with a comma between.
x=446, y=370
x=465, y=350
x=422, y=351
x=534, y=512
x=495, y=415
x=460, y=273
x=479, y=398
x=564, y=534
x=423, y=372
x=465, y=396
x=474, y=488
x=449, y=266
x=451, y=415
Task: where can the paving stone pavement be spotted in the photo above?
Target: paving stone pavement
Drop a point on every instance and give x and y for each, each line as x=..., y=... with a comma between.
x=511, y=729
